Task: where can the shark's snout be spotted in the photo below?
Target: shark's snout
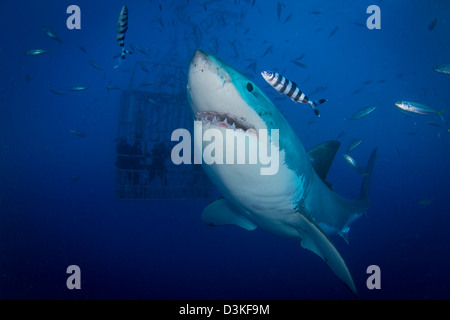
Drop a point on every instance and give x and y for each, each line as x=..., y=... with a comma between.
x=200, y=62
x=206, y=81
x=199, y=55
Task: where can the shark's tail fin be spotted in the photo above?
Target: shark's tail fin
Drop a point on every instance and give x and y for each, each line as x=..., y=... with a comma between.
x=365, y=187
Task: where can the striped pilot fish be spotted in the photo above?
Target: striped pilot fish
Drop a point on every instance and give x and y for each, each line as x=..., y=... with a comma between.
x=290, y=89
x=122, y=26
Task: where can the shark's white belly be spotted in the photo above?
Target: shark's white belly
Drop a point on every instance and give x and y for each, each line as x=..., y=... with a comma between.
x=268, y=201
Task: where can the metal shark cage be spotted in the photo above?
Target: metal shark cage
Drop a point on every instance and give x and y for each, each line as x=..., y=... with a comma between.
x=143, y=166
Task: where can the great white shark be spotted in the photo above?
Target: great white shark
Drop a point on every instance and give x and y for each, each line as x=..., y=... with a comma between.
x=296, y=202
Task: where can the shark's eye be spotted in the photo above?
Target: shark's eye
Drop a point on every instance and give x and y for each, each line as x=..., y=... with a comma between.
x=249, y=87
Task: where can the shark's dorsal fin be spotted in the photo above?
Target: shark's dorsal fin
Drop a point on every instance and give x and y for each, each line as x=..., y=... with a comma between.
x=322, y=156
x=222, y=212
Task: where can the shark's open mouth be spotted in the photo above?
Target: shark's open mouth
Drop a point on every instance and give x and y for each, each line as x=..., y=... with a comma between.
x=226, y=120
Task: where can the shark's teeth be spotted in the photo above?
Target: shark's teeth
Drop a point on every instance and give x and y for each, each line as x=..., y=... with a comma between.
x=227, y=120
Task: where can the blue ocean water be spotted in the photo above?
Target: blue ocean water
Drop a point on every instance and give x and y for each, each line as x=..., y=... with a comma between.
x=58, y=205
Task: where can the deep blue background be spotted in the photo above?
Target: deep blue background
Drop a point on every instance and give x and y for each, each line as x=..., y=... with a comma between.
x=161, y=250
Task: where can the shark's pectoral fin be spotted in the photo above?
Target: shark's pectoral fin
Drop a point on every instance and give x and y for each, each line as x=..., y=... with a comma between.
x=315, y=240
x=222, y=212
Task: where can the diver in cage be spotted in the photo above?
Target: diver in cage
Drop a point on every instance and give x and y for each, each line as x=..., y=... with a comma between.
x=123, y=149
x=136, y=161
x=157, y=168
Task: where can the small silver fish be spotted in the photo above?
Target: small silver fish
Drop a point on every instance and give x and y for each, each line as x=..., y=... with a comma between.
x=434, y=124
x=78, y=88
x=60, y=93
x=297, y=63
x=152, y=101
x=35, y=52
x=94, y=64
x=112, y=87
x=416, y=107
x=82, y=48
x=140, y=49
x=333, y=32
x=78, y=133
x=143, y=67
x=353, y=163
x=279, y=7
x=363, y=112
x=442, y=68
x=51, y=34
x=433, y=24
x=353, y=145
